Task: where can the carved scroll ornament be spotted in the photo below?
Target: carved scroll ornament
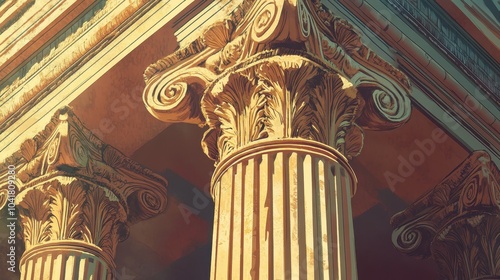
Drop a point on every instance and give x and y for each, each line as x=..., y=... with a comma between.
x=278, y=53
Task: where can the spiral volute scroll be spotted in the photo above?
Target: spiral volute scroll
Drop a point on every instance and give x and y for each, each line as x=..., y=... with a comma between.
x=141, y=191
x=53, y=149
x=176, y=98
x=471, y=193
x=151, y=203
x=79, y=150
x=305, y=19
x=386, y=106
x=144, y=201
x=392, y=106
x=479, y=193
x=169, y=97
x=414, y=238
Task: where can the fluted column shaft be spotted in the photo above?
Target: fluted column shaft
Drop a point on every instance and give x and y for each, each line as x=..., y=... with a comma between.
x=283, y=211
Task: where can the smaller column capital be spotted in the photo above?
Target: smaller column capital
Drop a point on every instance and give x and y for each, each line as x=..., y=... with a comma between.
x=65, y=148
x=71, y=188
x=457, y=222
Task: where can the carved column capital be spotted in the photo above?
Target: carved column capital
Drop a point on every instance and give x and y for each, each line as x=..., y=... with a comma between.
x=280, y=95
x=266, y=54
x=458, y=222
x=73, y=189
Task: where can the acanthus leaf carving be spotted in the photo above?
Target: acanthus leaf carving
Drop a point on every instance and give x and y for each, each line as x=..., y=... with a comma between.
x=470, y=249
x=234, y=112
x=276, y=98
x=68, y=149
x=219, y=34
x=101, y=215
x=34, y=212
x=28, y=149
x=354, y=140
x=341, y=111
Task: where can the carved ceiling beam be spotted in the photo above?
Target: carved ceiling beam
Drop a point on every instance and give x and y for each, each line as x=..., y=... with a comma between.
x=76, y=198
x=286, y=89
x=457, y=223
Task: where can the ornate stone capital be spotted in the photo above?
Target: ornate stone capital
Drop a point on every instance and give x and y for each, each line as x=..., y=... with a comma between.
x=73, y=187
x=280, y=95
x=267, y=54
x=457, y=223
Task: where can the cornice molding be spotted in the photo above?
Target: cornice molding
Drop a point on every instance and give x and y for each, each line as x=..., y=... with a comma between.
x=433, y=22
x=12, y=12
x=476, y=22
x=32, y=117
x=36, y=39
x=460, y=99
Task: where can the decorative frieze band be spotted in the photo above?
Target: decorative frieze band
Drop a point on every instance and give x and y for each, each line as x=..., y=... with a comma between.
x=429, y=18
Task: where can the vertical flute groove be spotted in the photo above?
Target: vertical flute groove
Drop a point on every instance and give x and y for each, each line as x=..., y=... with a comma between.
x=301, y=217
x=316, y=213
x=236, y=213
x=330, y=210
x=286, y=214
x=294, y=218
